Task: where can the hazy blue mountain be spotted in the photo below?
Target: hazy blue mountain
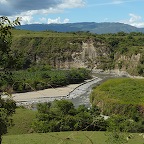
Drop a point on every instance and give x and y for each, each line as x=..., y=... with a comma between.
x=93, y=27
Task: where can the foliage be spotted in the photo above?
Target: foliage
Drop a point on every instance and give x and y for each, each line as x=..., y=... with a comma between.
x=41, y=77
x=119, y=128
x=55, y=48
x=62, y=116
x=123, y=96
x=5, y=41
x=7, y=106
x=22, y=120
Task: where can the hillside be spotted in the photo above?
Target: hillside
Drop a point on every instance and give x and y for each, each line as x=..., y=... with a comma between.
x=99, y=28
x=65, y=138
x=122, y=96
x=121, y=51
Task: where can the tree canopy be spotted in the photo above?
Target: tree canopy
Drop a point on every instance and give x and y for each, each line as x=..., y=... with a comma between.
x=7, y=106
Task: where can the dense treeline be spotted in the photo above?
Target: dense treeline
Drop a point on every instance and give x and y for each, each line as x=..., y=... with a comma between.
x=41, y=77
x=62, y=116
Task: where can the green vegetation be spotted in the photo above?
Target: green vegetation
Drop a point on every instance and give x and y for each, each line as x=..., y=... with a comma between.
x=41, y=77
x=123, y=96
x=62, y=116
x=7, y=106
x=121, y=90
x=66, y=138
x=22, y=121
x=56, y=49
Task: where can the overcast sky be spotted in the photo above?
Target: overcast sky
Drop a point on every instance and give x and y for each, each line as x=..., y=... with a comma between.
x=70, y=11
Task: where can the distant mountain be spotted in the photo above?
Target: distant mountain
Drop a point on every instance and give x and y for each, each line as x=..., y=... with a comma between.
x=93, y=27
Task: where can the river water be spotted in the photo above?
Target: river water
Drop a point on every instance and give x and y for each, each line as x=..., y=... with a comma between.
x=84, y=98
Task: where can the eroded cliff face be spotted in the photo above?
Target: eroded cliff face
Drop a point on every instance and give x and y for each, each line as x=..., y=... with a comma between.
x=96, y=55
x=124, y=62
x=89, y=53
x=93, y=54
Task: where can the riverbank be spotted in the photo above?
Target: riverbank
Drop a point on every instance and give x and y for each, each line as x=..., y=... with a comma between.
x=117, y=73
x=73, y=92
x=69, y=92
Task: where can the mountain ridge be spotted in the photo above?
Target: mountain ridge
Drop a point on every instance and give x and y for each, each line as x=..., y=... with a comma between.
x=93, y=27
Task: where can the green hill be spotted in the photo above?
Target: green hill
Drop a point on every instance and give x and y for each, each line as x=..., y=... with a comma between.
x=123, y=96
x=66, y=138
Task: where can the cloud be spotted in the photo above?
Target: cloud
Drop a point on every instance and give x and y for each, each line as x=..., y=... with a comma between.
x=135, y=20
x=27, y=9
x=25, y=5
x=57, y=21
x=15, y=7
x=71, y=4
x=113, y=2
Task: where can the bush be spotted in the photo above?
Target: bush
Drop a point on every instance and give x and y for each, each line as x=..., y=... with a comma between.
x=62, y=116
x=37, y=78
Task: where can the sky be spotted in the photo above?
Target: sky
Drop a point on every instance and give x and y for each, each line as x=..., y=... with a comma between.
x=72, y=11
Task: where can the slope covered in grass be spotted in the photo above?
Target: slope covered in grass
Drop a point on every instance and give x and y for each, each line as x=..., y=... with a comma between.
x=121, y=95
x=66, y=138
x=22, y=120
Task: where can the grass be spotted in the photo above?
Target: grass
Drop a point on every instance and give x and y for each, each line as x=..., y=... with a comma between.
x=65, y=138
x=20, y=133
x=124, y=96
x=123, y=90
x=27, y=33
x=22, y=120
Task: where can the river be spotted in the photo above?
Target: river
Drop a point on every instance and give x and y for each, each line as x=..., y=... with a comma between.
x=78, y=95
x=84, y=98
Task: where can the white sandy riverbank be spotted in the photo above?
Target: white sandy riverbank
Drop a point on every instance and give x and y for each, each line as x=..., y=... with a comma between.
x=68, y=92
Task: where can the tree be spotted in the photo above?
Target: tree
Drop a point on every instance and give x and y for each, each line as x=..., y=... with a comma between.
x=61, y=115
x=7, y=106
x=118, y=129
x=5, y=40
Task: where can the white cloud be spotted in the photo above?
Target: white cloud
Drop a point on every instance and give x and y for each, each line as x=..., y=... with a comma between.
x=3, y=1
x=135, y=20
x=57, y=21
x=112, y=2
x=28, y=8
x=25, y=17
x=117, y=2
x=71, y=4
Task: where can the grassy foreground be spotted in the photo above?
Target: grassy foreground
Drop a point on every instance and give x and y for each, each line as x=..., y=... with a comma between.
x=20, y=133
x=65, y=138
x=22, y=120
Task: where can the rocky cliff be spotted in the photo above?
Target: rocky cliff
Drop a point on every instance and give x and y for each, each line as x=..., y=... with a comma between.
x=93, y=52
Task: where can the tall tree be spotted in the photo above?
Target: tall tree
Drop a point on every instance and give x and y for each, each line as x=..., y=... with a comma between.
x=5, y=40
x=7, y=106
